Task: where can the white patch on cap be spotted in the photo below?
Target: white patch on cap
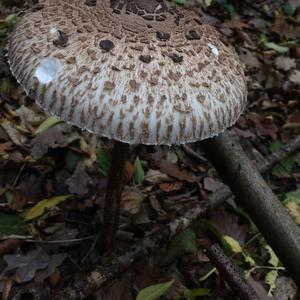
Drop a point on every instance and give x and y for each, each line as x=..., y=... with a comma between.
x=47, y=70
x=53, y=30
x=214, y=49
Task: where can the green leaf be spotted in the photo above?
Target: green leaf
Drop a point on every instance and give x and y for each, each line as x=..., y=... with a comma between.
x=43, y=206
x=153, y=292
x=7, y=24
x=179, y=1
x=192, y=294
x=273, y=261
x=48, y=123
x=139, y=174
x=185, y=242
x=293, y=197
x=270, y=280
x=104, y=160
x=288, y=9
x=234, y=245
x=250, y=261
x=215, y=231
x=273, y=46
x=12, y=224
x=285, y=166
x=208, y=2
x=72, y=160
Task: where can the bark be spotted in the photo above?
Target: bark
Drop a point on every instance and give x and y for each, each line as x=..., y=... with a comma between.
x=253, y=193
x=113, y=196
x=231, y=275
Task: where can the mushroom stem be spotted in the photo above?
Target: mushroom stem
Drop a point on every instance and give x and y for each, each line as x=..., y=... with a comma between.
x=113, y=195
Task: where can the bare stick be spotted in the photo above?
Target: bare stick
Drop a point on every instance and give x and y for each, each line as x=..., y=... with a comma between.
x=232, y=276
x=253, y=193
x=113, y=196
x=102, y=274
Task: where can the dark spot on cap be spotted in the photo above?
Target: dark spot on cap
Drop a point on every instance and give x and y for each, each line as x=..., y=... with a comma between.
x=106, y=45
x=145, y=58
x=91, y=2
x=163, y=36
x=62, y=39
x=176, y=58
x=148, y=17
x=192, y=35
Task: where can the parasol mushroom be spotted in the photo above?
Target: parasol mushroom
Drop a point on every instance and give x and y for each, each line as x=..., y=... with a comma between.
x=136, y=71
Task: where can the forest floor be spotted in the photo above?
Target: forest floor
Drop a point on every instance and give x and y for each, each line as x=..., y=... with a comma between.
x=53, y=178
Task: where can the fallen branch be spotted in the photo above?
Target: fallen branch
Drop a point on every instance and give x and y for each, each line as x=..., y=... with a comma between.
x=102, y=274
x=253, y=193
x=231, y=275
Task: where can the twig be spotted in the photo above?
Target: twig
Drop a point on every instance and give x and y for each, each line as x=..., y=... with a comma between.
x=62, y=241
x=194, y=154
x=232, y=276
x=102, y=274
x=280, y=155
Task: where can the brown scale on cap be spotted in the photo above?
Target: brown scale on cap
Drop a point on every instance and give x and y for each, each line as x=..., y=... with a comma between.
x=138, y=71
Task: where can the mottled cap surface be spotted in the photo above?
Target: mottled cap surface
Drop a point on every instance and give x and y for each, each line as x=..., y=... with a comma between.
x=136, y=71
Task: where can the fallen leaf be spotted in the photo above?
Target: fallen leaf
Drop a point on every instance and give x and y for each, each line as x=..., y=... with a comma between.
x=23, y=268
x=28, y=116
x=51, y=138
x=104, y=160
x=9, y=245
x=249, y=59
x=155, y=177
x=234, y=245
x=295, y=77
x=265, y=126
x=48, y=123
x=5, y=147
x=132, y=200
x=285, y=63
x=294, y=210
x=185, y=242
x=44, y=205
x=174, y=171
x=139, y=174
x=270, y=280
x=12, y=224
x=78, y=182
x=171, y=187
x=153, y=292
x=14, y=134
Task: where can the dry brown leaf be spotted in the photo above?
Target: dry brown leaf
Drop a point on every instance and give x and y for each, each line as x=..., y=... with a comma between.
x=285, y=63
x=295, y=77
x=171, y=186
x=265, y=126
x=132, y=200
x=155, y=176
x=78, y=182
x=249, y=59
x=174, y=171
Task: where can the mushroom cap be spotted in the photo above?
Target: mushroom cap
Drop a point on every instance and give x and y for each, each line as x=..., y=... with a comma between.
x=137, y=71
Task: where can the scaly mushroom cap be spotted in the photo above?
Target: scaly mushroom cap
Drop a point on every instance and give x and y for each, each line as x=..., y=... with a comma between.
x=138, y=71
